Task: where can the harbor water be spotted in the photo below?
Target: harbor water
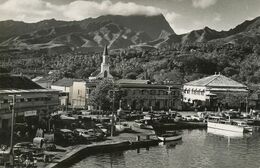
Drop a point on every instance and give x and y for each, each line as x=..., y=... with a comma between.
x=197, y=149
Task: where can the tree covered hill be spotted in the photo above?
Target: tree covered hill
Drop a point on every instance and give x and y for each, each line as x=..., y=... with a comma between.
x=179, y=58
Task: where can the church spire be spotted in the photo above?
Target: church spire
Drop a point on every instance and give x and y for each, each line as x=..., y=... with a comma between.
x=105, y=50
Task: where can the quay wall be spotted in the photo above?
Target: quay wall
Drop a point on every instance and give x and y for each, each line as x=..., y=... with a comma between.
x=83, y=151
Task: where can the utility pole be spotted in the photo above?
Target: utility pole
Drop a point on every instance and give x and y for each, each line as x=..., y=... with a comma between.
x=12, y=107
x=246, y=104
x=113, y=110
x=113, y=113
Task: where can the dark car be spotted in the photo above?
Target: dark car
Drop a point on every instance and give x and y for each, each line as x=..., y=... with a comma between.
x=64, y=137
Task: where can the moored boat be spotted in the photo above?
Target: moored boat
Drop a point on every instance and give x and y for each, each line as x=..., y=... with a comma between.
x=169, y=136
x=233, y=126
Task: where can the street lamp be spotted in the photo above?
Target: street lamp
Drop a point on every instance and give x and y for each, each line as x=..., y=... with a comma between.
x=12, y=107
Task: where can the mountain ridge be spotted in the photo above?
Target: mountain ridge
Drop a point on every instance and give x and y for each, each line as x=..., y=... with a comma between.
x=116, y=31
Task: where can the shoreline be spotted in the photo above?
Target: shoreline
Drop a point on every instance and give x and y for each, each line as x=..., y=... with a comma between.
x=83, y=151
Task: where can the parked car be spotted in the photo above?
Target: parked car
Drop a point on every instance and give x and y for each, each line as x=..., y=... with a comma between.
x=83, y=135
x=102, y=128
x=64, y=137
x=196, y=118
x=178, y=117
x=188, y=118
x=97, y=133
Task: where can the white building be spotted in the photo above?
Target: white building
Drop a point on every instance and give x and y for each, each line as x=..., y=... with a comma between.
x=210, y=90
x=65, y=86
x=78, y=97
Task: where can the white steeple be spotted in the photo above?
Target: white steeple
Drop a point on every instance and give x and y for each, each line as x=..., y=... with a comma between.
x=104, y=72
x=105, y=64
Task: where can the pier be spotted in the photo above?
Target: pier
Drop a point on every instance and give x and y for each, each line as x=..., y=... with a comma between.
x=113, y=144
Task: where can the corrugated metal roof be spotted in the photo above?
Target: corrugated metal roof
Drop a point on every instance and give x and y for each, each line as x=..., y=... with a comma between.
x=216, y=81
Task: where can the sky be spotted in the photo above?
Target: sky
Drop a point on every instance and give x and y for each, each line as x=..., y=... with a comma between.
x=182, y=15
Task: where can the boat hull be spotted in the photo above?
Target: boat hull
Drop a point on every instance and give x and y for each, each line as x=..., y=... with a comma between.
x=179, y=125
x=171, y=138
x=226, y=127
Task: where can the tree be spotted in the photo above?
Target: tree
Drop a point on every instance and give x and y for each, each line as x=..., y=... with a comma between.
x=99, y=97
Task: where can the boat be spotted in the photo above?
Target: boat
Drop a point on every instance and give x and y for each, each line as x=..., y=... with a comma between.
x=144, y=124
x=169, y=136
x=179, y=125
x=245, y=125
x=123, y=127
x=234, y=126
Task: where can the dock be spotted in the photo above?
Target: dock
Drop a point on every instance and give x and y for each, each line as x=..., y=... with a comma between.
x=83, y=151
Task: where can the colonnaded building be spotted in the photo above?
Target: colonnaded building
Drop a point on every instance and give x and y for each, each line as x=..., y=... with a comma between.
x=138, y=94
x=216, y=90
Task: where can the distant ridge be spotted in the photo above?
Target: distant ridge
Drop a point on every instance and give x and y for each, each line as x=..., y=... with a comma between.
x=112, y=30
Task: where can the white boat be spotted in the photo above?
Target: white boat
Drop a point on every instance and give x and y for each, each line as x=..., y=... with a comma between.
x=228, y=126
x=122, y=127
x=169, y=137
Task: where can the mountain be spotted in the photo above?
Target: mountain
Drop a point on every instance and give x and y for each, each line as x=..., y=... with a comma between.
x=248, y=31
x=112, y=30
x=116, y=32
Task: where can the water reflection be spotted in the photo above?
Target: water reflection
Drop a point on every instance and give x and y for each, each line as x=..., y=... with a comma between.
x=198, y=148
x=170, y=144
x=225, y=133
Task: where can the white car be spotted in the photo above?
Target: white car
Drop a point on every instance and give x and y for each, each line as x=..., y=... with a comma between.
x=196, y=118
x=85, y=133
x=188, y=118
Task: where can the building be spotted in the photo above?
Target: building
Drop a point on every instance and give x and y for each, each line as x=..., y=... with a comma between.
x=215, y=90
x=143, y=95
x=78, y=97
x=136, y=94
x=65, y=86
x=32, y=102
x=105, y=68
x=44, y=82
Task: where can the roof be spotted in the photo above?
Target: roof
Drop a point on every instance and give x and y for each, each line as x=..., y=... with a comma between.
x=66, y=82
x=216, y=81
x=132, y=81
x=41, y=79
x=149, y=86
x=13, y=91
x=17, y=82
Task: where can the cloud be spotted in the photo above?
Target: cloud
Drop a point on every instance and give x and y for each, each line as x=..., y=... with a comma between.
x=203, y=3
x=36, y=10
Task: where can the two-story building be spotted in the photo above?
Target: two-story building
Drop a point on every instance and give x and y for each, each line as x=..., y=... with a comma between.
x=143, y=95
x=213, y=90
x=32, y=102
